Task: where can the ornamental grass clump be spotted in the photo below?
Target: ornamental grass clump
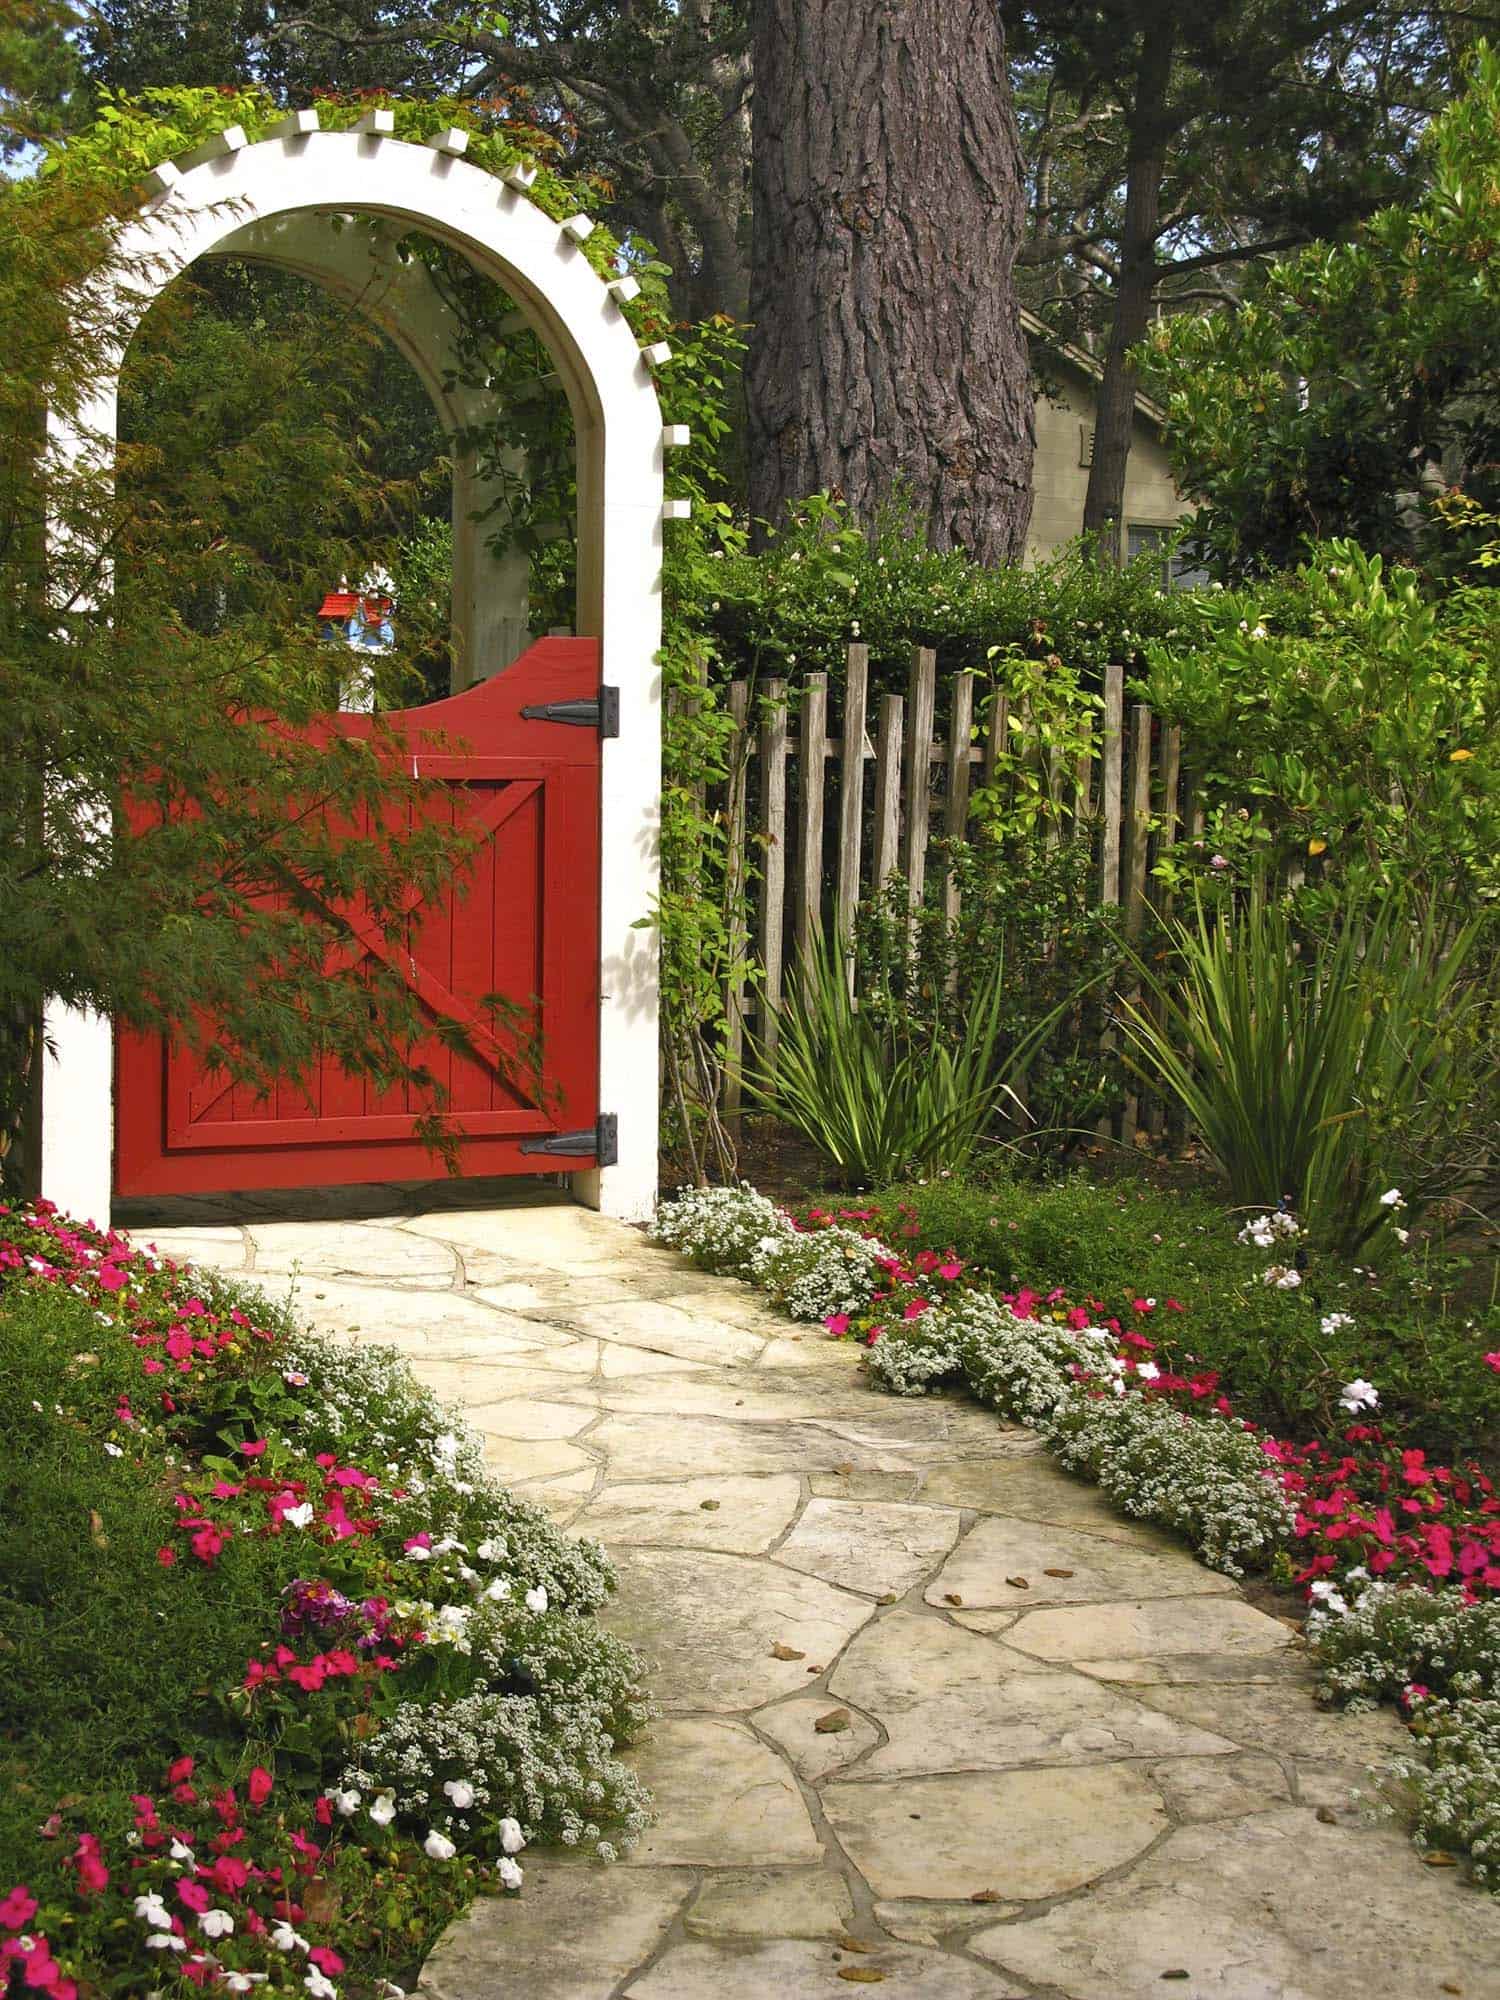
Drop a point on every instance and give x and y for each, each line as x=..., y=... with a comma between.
x=1304, y=1066
x=254, y=1589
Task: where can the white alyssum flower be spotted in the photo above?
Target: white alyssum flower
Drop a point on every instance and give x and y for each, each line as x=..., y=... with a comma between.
x=1358, y=1395
x=438, y=1847
x=383, y=1809
x=536, y=1600
x=216, y=1923
x=512, y=1840
x=461, y=1792
x=509, y=1873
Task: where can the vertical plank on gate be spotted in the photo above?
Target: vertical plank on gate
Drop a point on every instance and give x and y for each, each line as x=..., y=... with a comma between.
x=773, y=749
x=812, y=770
x=922, y=693
x=887, y=790
x=1109, y=782
x=852, y=785
x=1140, y=819
x=734, y=870
x=995, y=742
x=957, y=818
x=1165, y=1119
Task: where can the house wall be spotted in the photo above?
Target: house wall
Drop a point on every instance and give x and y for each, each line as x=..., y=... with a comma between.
x=1060, y=481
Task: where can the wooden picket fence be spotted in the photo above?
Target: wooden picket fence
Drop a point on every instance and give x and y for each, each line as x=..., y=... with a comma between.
x=835, y=805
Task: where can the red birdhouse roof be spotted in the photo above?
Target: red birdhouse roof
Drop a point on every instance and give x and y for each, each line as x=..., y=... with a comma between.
x=342, y=604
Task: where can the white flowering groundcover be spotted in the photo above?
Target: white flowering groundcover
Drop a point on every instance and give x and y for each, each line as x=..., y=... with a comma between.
x=1239, y=1497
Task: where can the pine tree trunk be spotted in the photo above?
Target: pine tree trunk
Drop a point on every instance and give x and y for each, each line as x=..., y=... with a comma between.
x=887, y=351
x=1114, y=416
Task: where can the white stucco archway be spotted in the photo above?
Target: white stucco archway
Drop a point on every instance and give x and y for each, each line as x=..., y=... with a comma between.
x=231, y=188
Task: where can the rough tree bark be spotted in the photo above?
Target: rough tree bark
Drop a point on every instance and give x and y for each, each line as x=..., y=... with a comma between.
x=888, y=208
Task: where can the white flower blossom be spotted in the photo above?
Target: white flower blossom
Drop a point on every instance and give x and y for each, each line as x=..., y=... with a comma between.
x=1358, y=1395
x=299, y=1516
x=284, y=1938
x=438, y=1847
x=319, y=1986
x=512, y=1840
x=461, y=1792
x=345, y=1802
x=536, y=1600
x=1393, y=1198
x=180, y=1851
x=165, y=1941
x=509, y=1873
x=216, y=1923
x=383, y=1809
x=1332, y=1322
x=152, y=1910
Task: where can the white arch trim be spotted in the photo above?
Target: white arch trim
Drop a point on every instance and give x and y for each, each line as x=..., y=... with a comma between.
x=220, y=189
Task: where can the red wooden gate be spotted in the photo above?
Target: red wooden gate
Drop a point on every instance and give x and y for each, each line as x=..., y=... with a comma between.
x=526, y=926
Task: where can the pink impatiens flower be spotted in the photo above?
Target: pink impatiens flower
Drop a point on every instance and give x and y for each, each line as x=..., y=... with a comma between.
x=18, y=1909
x=1493, y=1361
x=837, y=1323
x=259, y=1785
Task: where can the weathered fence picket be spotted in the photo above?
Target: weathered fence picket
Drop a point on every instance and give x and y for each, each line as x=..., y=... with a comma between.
x=811, y=839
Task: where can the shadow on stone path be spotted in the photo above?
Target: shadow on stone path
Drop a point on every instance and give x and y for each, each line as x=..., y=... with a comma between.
x=935, y=1718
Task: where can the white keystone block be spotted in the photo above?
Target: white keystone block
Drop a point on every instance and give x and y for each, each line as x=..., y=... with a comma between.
x=454, y=142
x=579, y=228
x=162, y=179
x=377, y=124
x=229, y=140
x=295, y=125
x=675, y=436
x=520, y=177
x=623, y=290
x=676, y=510
x=658, y=354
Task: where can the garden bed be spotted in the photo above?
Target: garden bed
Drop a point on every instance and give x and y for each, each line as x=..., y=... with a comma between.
x=287, y=1679
x=1151, y=1341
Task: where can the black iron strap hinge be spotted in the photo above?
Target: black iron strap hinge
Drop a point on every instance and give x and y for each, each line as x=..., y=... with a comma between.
x=602, y=714
x=600, y=1142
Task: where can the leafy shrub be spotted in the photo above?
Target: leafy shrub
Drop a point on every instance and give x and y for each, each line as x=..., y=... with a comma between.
x=1311, y=1075
x=232, y=1557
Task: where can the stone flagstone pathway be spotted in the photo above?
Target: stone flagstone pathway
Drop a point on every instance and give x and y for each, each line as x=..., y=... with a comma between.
x=935, y=1718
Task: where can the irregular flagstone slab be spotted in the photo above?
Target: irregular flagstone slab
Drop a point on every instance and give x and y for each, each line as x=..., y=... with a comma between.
x=223, y=1249
x=484, y=1385
x=545, y=1295
x=723, y=1800
x=657, y=1447
x=951, y=1701
x=512, y=1380
x=740, y=1396
x=811, y=1350
x=1100, y=1570
x=924, y=1923
x=513, y=1460
x=1024, y=1834
x=1284, y=1719
x=868, y=1545
x=1274, y=1907
x=1086, y=1633
x=1030, y=1486
x=1204, y=1788
x=709, y=1622
x=663, y=1329
x=574, y=1932
x=747, y=1514
x=562, y=1497
x=849, y=1483
x=540, y=1240
x=619, y=1361
x=816, y=1753
x=527, y=1417
x=351, y=1250
x=771, y=1903
x=447, y=1325
x=790, y=1970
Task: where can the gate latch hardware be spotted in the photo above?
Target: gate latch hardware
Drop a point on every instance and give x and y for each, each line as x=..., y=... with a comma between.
x=602, y=714
x=601, y=1142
